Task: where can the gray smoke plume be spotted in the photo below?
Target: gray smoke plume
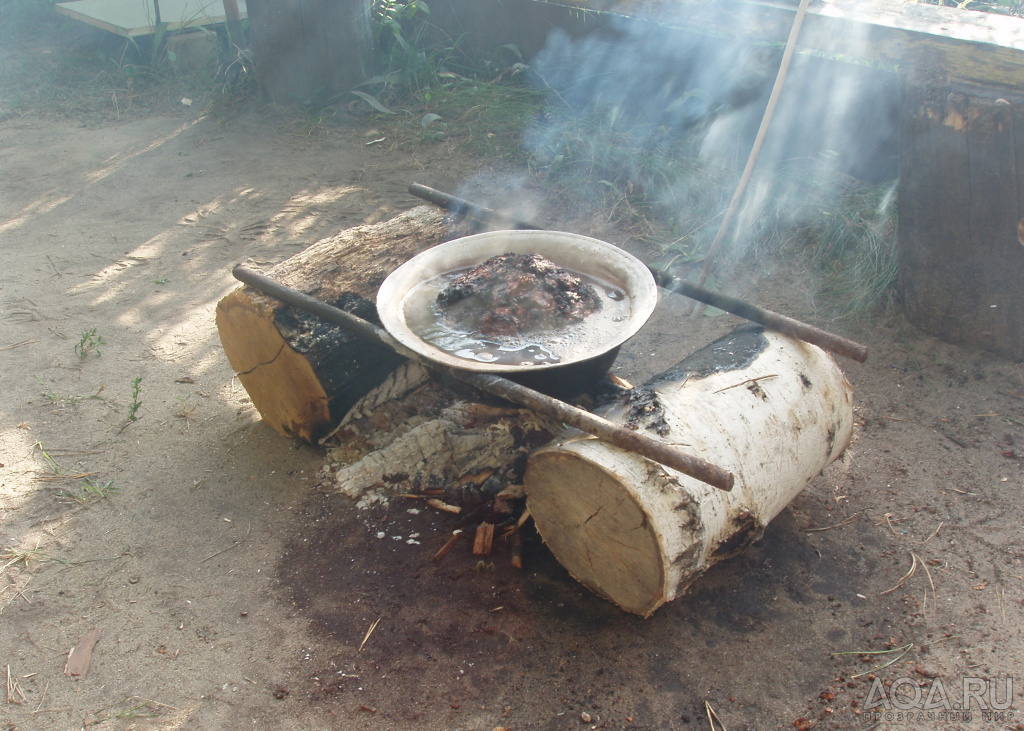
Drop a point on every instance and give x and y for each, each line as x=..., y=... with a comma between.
x=657, y=93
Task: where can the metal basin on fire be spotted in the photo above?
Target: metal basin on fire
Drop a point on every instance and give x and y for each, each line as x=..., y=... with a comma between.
x=405, y=298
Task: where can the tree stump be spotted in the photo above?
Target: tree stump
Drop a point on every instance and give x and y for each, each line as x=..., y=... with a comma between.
x=772, y=409
x=961, y=196
x=303, y=374
x=309, y=50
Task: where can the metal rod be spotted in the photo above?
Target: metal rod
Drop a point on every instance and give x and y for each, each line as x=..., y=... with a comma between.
x=584, y=420
x=463, y=207
x=772, y=320
x=741, y=308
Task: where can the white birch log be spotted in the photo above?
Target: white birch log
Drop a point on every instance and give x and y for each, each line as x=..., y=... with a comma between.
x=773, y=410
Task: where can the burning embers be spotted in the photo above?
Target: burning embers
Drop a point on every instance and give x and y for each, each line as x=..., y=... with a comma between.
x=517, y=294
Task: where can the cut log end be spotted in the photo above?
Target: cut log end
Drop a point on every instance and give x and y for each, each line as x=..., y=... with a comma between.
x=279, y=380
x=772, y=409
x=302, y=373
x=598, y=532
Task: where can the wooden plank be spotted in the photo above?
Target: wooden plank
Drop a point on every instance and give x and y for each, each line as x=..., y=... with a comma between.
x=131, y=18
x=961, y=44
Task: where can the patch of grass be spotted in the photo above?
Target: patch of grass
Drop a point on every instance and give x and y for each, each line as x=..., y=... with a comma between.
x=478, y=117
x=54, y=66
x=133, y=707
x=13, y=556
x=64, y=400
x=50, y=461
x=186, y=407
x=88, y=491
x=856, y=250
x=845, y=228
x=639, y=177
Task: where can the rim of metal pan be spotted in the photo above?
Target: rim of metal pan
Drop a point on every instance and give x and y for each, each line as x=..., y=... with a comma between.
x=572, y=251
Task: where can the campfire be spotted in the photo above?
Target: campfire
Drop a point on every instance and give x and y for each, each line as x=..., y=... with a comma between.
x=637, y=496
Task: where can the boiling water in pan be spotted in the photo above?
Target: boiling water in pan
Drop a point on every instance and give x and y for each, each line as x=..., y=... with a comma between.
x=539, y=346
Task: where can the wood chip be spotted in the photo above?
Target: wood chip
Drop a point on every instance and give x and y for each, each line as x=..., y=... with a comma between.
x=447, y=546
x=620, y=382
x=81, y=654
x=443, y=506
x=517, y=551
x=483, y=540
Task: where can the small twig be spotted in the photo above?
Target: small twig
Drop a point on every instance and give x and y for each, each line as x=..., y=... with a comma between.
x=887, y=518
x=913, y=569
x=128, y=424
x=50, y=477
x=933, y=534
x=953, y=439
x=236, y=544
x=71, y=452
x=19, y=344
x=712, y=717
x=902, y=650
x=368, y=633
x=837, y=525
x=42, y=697
x=447, y=546
x=935, y=597
x=523, y=518
x=155, y=703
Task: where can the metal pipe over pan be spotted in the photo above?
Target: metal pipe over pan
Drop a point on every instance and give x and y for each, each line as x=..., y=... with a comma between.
x=502, y=387
x=772, y=320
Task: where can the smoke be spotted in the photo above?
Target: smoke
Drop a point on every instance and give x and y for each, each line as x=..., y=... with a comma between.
x=661, y=115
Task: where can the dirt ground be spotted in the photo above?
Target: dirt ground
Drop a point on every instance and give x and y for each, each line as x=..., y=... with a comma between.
x=233, y=592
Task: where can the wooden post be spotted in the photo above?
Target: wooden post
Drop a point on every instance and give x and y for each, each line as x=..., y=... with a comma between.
x=234, y=23
x=961, y=199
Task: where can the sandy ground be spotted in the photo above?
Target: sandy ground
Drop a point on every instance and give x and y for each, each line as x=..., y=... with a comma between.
x=232, y=592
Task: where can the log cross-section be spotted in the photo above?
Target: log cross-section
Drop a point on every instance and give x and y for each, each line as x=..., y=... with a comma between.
x=774, y=410
x=303, y=374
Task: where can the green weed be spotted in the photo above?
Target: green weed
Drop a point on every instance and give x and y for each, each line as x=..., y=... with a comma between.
x=136, y=403
x=90, y=342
